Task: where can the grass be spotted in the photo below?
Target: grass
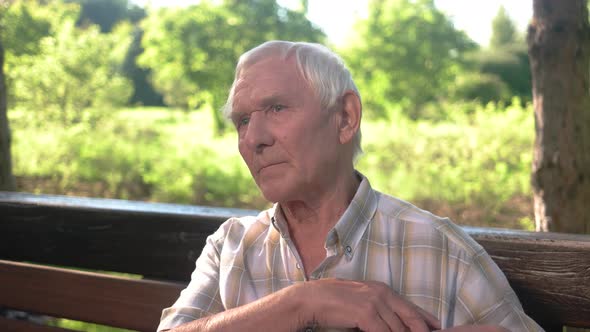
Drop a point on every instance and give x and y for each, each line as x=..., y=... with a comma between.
x=84, y=326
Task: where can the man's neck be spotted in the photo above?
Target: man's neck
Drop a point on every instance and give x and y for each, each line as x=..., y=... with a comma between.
x=310, y=222
x=324, y=211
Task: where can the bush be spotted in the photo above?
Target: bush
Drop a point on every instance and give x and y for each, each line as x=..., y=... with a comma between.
x=481, y=158
x=484, y=88
x=510, y=63
x=159, y=155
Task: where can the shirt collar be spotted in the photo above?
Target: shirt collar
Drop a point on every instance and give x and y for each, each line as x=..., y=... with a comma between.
x=355, y=220
x=352, y=224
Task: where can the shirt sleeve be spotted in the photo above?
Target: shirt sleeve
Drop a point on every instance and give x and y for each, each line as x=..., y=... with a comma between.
x=484, y=296
x=201, y=297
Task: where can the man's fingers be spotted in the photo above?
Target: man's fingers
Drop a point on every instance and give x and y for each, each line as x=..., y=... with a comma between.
x=430, y=319
x=394, y=323
x=412, y=316
x=372, y=306
x=415, y=323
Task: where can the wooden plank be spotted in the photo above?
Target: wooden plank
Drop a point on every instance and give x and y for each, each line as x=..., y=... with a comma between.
x=90, y=297
x=550, y=272
x=160, y=241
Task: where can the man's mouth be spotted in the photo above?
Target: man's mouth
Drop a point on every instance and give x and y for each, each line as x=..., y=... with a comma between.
x=267, y=166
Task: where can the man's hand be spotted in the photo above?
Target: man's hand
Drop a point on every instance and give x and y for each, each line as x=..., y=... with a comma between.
x=366, y=305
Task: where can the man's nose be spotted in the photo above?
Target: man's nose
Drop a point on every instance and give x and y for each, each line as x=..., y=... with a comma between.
x=258, y=135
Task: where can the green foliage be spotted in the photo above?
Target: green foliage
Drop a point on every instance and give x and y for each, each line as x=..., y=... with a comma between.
x=481, y=87
x=499, y=72
x=478, y=155
x=74, y=70
x=503, y=29
x=480, y=158
x=508, y=63
x=407, y=53
x=143, y=91
x=24, y=23
x=140, y=154
x=192, y=51
x=108, y=13
x=86, y=327
x=409, y=62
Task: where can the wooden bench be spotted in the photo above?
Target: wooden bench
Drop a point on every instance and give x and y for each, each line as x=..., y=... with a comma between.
x=158, y=245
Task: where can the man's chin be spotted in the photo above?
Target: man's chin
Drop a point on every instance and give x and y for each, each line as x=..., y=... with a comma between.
x=271, y=195
x=273, y=191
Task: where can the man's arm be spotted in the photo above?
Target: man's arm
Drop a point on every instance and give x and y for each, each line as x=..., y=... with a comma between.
x=260, y=315
x=485, y=296
x=369, y=306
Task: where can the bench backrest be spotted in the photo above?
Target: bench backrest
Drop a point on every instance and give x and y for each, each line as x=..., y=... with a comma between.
x=550, y=272
x=91, y=297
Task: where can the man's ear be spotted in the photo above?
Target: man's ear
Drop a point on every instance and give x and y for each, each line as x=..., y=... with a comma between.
x=350, y=117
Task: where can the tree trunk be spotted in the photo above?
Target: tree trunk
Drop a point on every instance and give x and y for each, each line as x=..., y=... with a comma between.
x=559, y=51
x=6, y=178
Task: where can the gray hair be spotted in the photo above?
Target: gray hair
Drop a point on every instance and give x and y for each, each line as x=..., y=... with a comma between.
x=324, y=70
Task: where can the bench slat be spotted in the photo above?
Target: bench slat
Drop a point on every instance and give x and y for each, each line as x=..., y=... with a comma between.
x=550, y=272
x=109, y=235
x=91, y=297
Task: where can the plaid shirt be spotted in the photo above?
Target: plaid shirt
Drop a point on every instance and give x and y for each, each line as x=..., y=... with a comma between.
x=427, y=259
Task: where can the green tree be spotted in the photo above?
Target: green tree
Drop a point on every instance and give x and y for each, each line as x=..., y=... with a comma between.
x=503, y=29
x=478, y=86
x=26, y=22
x=192, y=51
x=407, y=54
x=75, y=69
x=107, y=13
x=507, y=64
x=499, y=72
x=143, y=91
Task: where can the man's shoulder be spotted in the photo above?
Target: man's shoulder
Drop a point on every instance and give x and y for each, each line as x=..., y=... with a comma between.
x=238, y=227
x=395, y=210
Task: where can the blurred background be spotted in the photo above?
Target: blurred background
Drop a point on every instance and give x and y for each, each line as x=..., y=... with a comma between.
x=121, y=99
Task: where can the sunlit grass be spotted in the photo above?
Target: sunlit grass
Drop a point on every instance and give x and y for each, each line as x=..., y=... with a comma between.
x=83, y=326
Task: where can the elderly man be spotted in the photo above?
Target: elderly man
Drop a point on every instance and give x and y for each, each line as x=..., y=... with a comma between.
x=332, y=253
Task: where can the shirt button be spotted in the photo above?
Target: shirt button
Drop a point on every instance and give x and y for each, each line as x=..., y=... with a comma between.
x=348, y=252
x=298, y=266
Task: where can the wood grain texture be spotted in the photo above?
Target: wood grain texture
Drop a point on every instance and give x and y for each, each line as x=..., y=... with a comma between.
x=549, y=271
x=90, y=297
x=160, y=241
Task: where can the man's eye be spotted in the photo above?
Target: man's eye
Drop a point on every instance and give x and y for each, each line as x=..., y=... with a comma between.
x=243, y=121
x=277, y=108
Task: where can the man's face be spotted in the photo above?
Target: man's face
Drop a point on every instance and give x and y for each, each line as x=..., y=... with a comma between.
x=288, y=142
